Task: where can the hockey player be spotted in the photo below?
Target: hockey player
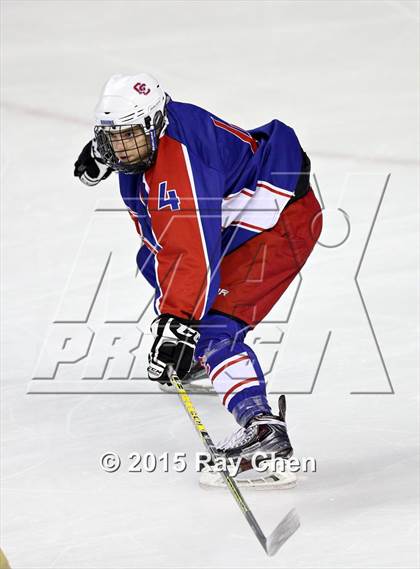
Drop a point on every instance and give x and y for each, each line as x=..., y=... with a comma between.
x=227, y=219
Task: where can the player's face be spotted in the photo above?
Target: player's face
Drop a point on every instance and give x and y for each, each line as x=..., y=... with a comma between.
x=129, y=145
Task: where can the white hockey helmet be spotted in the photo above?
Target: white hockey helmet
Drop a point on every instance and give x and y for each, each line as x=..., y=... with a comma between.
x=129, y=119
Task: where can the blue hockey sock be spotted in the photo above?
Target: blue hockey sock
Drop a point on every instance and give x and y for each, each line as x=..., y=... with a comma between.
x=232, y=366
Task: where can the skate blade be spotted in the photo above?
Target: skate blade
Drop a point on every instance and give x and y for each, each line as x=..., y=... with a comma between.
x=276, y=477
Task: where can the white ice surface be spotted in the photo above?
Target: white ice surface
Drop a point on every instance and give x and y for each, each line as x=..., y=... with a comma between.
x=344, y=75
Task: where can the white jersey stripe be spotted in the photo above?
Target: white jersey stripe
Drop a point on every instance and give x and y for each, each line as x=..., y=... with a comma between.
x=262, y=183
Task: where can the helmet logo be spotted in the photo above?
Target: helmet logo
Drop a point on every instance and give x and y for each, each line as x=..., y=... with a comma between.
x=141, y=88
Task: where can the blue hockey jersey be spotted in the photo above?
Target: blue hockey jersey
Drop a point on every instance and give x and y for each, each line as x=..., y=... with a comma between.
x=212, y=187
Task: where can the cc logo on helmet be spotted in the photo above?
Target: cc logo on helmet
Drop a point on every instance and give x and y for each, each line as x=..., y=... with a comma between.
x=141, y=88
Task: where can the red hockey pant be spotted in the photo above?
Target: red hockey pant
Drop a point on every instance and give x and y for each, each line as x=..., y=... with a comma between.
x=257, y=273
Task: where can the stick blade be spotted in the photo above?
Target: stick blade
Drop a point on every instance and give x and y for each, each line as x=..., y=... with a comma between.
x=286, y=528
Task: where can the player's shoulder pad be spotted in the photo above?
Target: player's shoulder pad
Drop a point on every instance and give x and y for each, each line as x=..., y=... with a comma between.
x=193, y=127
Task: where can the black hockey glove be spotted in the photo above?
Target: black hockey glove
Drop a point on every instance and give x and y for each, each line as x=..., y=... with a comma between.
x=90, y=167
x=175, y=342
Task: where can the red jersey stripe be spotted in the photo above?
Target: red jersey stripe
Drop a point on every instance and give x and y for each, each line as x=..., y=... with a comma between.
x=150, y=246
x=134, y=217
x=245, y=191
x=283, y=193
x=245, y=224
x=244, y=136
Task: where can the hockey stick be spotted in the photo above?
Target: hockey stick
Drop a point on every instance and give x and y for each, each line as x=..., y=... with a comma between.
x=289, y=524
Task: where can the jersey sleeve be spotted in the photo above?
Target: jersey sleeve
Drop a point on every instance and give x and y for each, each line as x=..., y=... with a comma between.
x=184, y=205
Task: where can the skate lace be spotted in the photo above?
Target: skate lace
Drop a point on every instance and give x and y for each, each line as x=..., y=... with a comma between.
x=238, y=438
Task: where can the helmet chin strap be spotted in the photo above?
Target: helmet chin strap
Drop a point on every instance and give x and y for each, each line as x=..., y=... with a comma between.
x=153, y=140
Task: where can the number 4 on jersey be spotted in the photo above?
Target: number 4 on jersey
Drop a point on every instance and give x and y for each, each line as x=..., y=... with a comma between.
x=167, y=198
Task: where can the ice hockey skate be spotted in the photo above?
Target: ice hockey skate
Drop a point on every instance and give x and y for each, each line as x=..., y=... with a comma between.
x=257, y=455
